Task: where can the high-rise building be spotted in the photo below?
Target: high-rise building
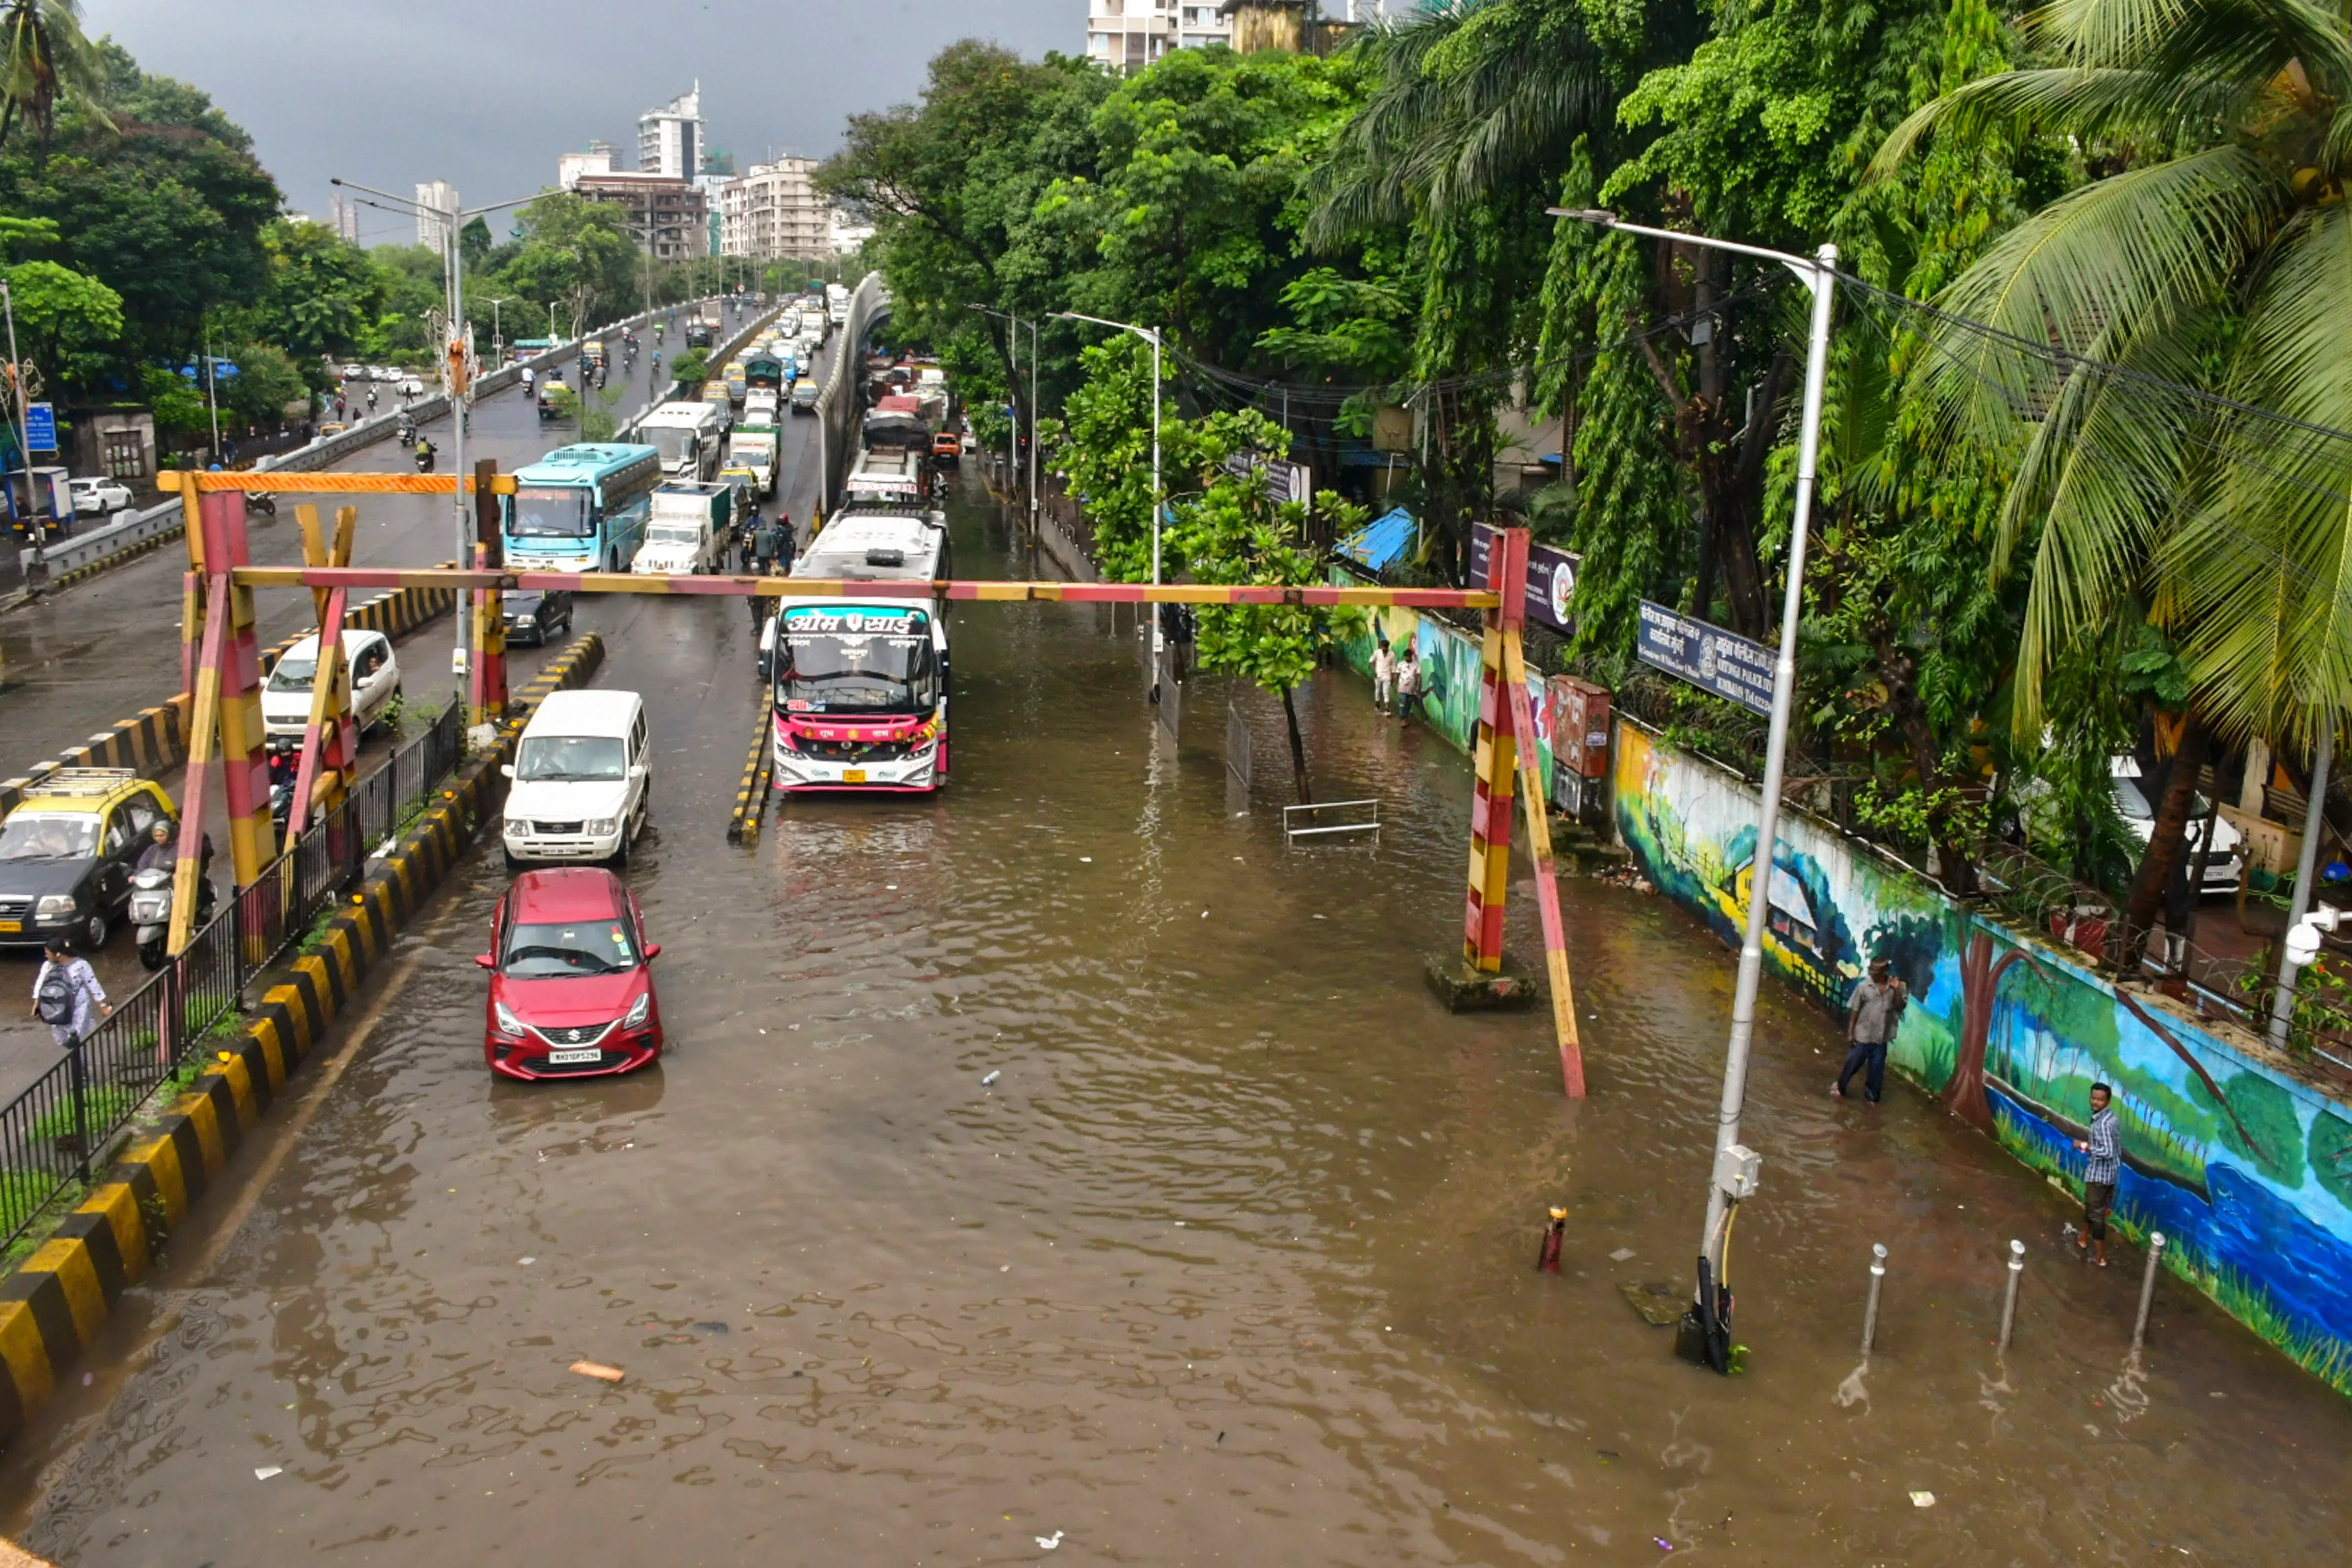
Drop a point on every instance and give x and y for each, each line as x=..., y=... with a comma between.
x=773, y=213
x=669, y=138
x=571, y=166
x=347, y=218
x=434, y=197
x=669, y=217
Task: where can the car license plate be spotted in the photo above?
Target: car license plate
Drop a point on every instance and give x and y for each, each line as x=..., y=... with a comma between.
x=573, y=1058
x=12, y=926
x=852, y=775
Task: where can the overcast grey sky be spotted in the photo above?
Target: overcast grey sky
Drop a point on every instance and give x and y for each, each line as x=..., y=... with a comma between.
x=485, y=93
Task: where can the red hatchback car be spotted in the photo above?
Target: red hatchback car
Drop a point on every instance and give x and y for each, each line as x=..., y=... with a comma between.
x=572, y=993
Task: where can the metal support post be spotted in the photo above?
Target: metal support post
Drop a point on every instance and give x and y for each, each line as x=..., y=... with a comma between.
x=2008, y=1298
x=1870, y=1310
x=225, y=717
x=2147, y=1287
x=1555, y=931
x=486, y=678
x=1495, y=760
x=2306, y=869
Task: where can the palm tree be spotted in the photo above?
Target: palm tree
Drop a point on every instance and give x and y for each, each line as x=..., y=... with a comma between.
x=2159, y=353
x=47, y=57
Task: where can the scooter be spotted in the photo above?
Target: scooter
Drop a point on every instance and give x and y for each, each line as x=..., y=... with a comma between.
x=425, y=459
x=261, y=501
x=150, y=910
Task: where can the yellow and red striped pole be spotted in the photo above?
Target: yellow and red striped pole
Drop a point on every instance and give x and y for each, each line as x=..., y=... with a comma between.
x=1494, y=759
x=485, y=655
x=1555, y=929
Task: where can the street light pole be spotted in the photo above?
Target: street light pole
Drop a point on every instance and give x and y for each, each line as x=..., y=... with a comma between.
x=1149, y=335
x=498, y=333
x=1818, y=273
x=24, y=420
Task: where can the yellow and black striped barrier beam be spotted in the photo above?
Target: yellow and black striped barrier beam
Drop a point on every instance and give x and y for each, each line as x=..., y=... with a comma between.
x=55, y=1304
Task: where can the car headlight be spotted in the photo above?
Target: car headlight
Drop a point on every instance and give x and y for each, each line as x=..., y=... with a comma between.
x=507, y=1023
x=55, y=909
x=639, y=1011
x=600, y=825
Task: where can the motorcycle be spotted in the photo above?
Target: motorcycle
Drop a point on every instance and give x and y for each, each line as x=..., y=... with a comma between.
x=425, y=458
x=150, y=912
x=405, y=434
x=262, y=501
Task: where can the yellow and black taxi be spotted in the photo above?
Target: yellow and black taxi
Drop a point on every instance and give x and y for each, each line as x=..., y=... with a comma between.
x=67, y=853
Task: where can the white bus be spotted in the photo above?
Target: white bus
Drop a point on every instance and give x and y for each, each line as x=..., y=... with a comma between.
x=690, y=436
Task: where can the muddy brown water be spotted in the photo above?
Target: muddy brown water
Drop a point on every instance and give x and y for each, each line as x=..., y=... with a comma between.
x=1233, y=1262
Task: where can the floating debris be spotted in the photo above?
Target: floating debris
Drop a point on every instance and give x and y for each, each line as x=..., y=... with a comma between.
x=598, y=1370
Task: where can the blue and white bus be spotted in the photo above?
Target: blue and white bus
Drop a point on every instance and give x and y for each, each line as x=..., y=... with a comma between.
x=580, y=509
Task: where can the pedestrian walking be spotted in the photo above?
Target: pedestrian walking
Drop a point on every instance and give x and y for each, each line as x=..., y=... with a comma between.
x=2104, y=1148
x=1408, y=686
x=787, y=544
x=1872, y=1012
x=763, y=545
x=67, y=995
x=1384, y=672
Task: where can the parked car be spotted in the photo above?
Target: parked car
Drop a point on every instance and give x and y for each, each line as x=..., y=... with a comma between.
x=572, y=985
x=535, y=614
x=67, y=853
x=353, y=372
x=375, y=681
x=411, y=386
x=2225, y=862
x=384, y=373
x=99, y=495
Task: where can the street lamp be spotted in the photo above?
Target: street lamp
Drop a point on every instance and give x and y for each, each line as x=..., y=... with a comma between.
x=1015, y=327
x=1152, y=336
x=497, y=337
x=1733, y=1175
x=458, y=354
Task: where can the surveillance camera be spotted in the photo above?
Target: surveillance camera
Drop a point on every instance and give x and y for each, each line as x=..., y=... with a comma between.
x=2302, y=944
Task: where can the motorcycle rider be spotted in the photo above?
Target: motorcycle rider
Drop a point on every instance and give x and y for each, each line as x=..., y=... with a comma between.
x=163, y=851
x=426, y=451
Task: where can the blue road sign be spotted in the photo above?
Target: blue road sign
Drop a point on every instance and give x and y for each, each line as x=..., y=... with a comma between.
x=41, y=426
x=1709, y=657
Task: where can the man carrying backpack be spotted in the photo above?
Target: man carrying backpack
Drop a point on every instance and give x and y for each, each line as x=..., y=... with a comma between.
x=67, y=995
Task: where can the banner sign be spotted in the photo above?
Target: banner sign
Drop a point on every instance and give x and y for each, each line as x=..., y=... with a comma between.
x=1551, y=579
x=1284, y=482
x=41, y=426
x=1717, y=662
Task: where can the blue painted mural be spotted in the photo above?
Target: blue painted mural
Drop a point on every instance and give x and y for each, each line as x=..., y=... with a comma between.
x=2245, y=1167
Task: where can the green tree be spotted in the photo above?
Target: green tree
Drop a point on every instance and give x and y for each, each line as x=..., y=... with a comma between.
x=324, y=294
x=265, y=387
x=66, y=322
x=45, y=58
x=2207, y=252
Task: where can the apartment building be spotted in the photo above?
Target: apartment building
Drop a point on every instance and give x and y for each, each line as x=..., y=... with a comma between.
x=434, y=197
x=1128, y=34
x=670, y=216
x=773, y=213
x=670, y=139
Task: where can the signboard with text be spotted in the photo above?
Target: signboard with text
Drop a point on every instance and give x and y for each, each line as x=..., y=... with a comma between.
x=41, y=426
x=1717, y=662
x=1551, y=580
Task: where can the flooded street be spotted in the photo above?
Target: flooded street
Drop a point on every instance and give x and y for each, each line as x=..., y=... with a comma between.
x=1232, y=1262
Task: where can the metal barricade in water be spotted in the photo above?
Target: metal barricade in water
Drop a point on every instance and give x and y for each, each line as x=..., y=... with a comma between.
x=1304, y=822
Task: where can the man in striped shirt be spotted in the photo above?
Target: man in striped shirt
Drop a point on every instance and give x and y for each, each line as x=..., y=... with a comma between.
x=2105, y=1148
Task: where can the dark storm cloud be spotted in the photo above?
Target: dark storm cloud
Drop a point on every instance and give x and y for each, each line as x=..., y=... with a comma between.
x=485, y=93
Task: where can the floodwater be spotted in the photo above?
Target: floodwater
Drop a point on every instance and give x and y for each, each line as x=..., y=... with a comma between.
x=1231, y=1263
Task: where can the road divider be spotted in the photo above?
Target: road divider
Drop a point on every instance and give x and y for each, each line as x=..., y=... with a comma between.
x=156, y=739
x=55, y=1303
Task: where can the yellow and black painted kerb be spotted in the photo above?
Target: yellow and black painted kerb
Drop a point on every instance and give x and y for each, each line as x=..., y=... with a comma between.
x=90, y=569
x=53, y=1307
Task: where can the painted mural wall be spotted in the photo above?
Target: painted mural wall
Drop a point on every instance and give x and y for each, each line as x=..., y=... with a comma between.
x=2246, y=1169
x=1449, y=664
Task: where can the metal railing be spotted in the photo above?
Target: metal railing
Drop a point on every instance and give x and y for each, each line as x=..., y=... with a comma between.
x=54, y=1134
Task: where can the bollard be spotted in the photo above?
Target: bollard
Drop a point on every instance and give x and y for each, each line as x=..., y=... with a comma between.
x=1877, y=1278
x=2147, y=1286
x=2009, y=1302
x=1548, y=1260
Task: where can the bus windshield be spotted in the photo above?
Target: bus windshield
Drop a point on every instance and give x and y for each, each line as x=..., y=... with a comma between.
x=672, y=442
x=545, y=513
x=874, y=664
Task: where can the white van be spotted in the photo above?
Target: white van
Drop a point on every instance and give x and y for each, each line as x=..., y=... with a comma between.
x=583, y=780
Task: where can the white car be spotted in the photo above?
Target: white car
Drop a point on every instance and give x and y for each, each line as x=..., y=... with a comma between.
x=99, y=495
x=410, y=387
x=375, y=682
x=354, y=373
x=583, y=780
x=384, y=373
x=2224, y=863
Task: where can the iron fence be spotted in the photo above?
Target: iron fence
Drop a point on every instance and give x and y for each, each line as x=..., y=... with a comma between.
x=155, y=1042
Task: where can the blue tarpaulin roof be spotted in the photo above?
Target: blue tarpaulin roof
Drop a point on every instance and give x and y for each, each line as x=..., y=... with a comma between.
x=1381, y=540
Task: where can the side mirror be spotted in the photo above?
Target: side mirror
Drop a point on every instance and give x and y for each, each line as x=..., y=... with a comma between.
x=485, y=961
x=507, y=769
x=637, y=771
x=653, y=951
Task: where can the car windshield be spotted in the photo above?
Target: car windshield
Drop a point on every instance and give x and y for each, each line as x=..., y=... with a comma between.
x=883, y=664
x=2130, y=802
x=571, y=757
x=294, y=674
x=673, y=533
x=545, y=513
x=33, y=835
x=560, y=951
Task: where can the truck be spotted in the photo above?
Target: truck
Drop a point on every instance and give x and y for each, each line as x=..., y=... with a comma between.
x=756, y=448
x=762, y=405
x=687, y=531
x=688, y=435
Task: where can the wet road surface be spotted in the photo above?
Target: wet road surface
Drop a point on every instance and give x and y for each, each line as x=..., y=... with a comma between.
x=1233, y=1263
x=97, y=653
